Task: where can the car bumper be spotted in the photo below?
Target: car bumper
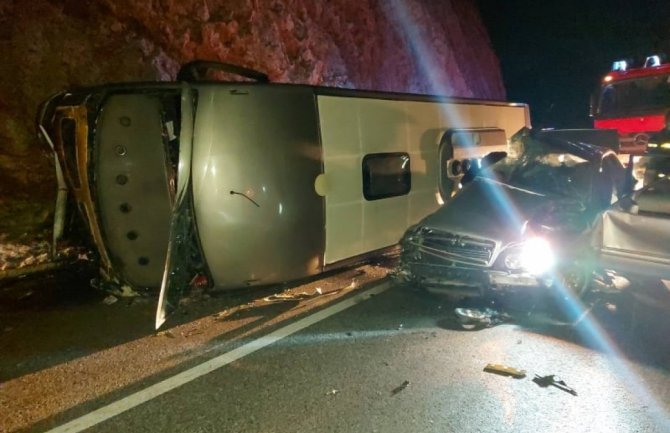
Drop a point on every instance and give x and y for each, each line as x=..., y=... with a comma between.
x=466, y=281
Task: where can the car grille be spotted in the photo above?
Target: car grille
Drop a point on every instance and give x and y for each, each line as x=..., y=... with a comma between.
x=464, y=249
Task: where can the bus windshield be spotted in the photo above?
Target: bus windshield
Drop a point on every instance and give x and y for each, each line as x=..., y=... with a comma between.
x=635, y=96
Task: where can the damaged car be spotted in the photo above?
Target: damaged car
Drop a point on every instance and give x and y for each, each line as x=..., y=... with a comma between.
x=632, y=238
x=521, y=224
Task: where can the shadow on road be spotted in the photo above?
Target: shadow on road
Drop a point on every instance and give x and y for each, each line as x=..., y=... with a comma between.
x=627, y=325
x=50, y=319
x=53, y=318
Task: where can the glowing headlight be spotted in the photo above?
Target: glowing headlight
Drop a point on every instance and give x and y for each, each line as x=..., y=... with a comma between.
x=536, y=256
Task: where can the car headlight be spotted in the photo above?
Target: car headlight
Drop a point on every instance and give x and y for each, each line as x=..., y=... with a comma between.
x=536, y=256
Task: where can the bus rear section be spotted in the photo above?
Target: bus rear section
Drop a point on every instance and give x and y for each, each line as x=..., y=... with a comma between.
x=118, y=148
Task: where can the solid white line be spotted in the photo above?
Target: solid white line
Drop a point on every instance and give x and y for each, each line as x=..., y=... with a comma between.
x=153, y=391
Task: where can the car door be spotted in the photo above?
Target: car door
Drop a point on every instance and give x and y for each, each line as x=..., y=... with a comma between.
x=635, y=237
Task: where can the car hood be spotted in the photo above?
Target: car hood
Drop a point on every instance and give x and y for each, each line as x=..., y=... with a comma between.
x=488, y=209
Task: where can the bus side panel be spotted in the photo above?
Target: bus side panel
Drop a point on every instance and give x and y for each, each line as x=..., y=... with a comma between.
x=354, y=127
x=425, y=132
x=256, y=155
x=510, y=118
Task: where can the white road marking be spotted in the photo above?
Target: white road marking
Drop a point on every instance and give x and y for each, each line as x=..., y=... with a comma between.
x=153, y=391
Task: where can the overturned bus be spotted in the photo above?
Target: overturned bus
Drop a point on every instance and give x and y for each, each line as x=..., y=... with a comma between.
x=254, y=183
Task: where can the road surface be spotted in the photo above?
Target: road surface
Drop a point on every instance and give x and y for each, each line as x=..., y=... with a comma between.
x=356, y=355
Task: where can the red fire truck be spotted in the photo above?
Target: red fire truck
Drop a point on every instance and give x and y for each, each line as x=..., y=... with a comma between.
x=634, y=101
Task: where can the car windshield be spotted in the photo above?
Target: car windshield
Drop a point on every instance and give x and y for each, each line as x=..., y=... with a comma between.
x=635, y=96
x=545, y=173
x=651, y=168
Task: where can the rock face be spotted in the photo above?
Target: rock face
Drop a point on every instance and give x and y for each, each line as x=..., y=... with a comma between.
x=419, y=46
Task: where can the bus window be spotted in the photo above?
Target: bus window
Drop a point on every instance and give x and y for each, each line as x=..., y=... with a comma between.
x=386, y=175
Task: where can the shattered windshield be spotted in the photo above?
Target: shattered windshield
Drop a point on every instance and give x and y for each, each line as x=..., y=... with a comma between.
x=550, y=173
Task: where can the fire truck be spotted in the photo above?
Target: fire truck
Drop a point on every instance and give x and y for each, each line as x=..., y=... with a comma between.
x=633, y=99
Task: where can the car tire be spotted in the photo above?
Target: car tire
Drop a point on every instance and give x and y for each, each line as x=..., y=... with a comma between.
x=574, y=280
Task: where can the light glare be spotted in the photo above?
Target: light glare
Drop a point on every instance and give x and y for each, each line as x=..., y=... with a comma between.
x=537, y=257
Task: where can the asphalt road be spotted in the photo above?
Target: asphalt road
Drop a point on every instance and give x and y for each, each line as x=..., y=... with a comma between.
x=396, y=362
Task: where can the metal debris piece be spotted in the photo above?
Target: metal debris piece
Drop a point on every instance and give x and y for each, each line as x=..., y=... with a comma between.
x=505, y=371
x=478, y=318
x=553, y=380
x=400, y=387
x=109, y=300
x=333, y=392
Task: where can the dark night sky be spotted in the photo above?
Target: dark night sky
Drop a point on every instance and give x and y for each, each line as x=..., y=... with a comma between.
x=553, y=53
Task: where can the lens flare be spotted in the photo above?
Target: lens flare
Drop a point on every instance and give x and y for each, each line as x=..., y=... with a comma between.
x=537, y=256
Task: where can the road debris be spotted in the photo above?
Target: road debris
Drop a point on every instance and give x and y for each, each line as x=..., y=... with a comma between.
x=479, y=318
x=30, y=253
x=555, y=381
x=125, y=291
x=333, y=392
x=301, y=296
x=288, y=297
x=400, y=387
x=168, y=334
x=27, y=294
x=109, y=300
x=221, y=315
x=114, y=287
x=505, y=371
x=191, y=333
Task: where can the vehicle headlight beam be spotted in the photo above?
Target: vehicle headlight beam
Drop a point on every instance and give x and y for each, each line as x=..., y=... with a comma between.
x=537, y=256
